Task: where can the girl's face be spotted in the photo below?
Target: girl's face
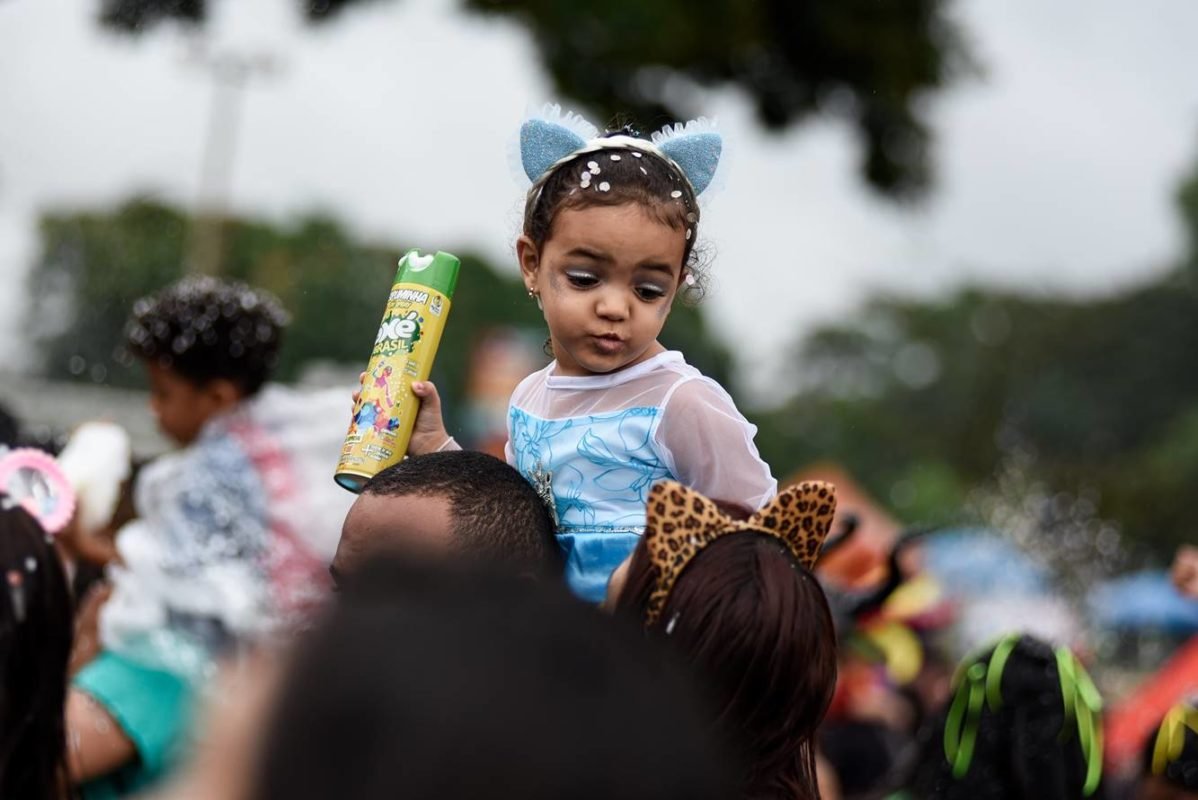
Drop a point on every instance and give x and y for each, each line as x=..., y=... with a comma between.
x=606, y=276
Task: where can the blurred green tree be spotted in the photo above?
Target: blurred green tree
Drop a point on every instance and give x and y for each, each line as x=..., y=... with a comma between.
x=874, y=63
x=924, y=400
x=91, y=268
x=94, y=265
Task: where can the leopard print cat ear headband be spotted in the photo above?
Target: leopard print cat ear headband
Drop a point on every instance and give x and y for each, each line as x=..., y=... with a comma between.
x=681, y=522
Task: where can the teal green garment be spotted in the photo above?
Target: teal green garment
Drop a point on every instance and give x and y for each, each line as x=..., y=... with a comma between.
x=152, y=707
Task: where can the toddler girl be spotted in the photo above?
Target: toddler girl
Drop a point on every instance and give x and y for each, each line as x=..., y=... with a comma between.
x=608, y=243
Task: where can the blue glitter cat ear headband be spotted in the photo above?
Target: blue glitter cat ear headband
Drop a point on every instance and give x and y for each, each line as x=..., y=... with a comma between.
x=553, y=138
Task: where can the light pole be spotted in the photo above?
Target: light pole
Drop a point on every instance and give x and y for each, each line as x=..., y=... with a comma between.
x=230, y=72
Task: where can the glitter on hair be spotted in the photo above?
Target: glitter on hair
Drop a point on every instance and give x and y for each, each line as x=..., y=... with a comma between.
x=651, y=185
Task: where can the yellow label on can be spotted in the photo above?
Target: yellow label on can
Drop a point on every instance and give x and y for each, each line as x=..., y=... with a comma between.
x=386, y=409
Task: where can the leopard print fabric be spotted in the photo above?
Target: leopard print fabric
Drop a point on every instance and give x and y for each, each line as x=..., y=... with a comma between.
x=680, y=522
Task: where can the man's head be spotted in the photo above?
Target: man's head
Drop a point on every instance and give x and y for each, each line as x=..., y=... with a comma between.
x=206, y=344
x=456, y=503
x=428, y=682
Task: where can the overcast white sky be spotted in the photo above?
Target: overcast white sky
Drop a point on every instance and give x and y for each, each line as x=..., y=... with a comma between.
x=1057, y=168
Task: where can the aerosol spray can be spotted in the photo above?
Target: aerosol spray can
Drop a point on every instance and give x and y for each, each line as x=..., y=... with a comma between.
x=403, y=352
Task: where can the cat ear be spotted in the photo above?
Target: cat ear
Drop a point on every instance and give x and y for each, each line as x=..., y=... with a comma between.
x=696, y=148
x=679, y=522
x=800, y=516
x=550, y=137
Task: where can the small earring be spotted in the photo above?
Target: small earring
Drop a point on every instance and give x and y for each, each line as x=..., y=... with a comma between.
x=535, y=295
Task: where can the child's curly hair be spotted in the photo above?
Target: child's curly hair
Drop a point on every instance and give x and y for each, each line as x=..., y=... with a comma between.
x=206, y=329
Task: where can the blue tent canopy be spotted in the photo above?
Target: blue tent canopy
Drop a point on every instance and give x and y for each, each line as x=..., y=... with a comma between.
x=975, y=562
x=1143, y=600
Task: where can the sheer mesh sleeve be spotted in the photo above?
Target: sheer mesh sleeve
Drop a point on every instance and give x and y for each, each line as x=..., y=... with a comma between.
x=708, y=445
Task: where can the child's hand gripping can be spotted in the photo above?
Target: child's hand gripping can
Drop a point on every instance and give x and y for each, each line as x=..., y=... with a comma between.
x=403, y=352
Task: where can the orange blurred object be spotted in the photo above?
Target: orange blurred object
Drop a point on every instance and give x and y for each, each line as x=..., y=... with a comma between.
x=1132, y=721
x=861, y=561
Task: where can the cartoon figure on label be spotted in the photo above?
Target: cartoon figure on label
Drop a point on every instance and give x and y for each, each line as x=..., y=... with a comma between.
x=381, y=375
x=366, y=416
x=385, y=424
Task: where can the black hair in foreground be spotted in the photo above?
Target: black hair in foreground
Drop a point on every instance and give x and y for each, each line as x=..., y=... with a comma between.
x=1028, y=749
x=207, y=329
x=36, y=629
x=432, y=683
x=499, y=518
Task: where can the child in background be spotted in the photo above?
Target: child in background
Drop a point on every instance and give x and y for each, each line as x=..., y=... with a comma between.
x=610, y=228
x=220, y=552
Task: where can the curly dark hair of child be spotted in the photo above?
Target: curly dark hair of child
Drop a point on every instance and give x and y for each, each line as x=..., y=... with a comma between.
x=205, y=329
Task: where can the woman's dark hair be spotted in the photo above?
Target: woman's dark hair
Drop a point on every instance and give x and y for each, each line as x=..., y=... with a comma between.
x=755, y=626
x=206, y=329
x=35, y=647
x=1027, y=749
x=430, y=682
x=624, y=175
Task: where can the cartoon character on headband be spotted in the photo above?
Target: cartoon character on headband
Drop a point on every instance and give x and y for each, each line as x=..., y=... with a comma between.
x=33, y=479
x=608, y=243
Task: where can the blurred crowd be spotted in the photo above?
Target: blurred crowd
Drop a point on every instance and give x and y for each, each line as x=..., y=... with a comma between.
x=225, y=622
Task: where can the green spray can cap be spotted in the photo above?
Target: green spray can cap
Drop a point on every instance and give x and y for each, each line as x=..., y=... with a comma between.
x=438, y=271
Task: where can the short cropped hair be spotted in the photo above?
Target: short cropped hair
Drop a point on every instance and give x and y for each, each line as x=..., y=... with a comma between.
x=427, y=682
x=498, y=518
x=206, y=329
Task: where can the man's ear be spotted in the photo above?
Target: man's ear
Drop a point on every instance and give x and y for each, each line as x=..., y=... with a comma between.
x=529, y=256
